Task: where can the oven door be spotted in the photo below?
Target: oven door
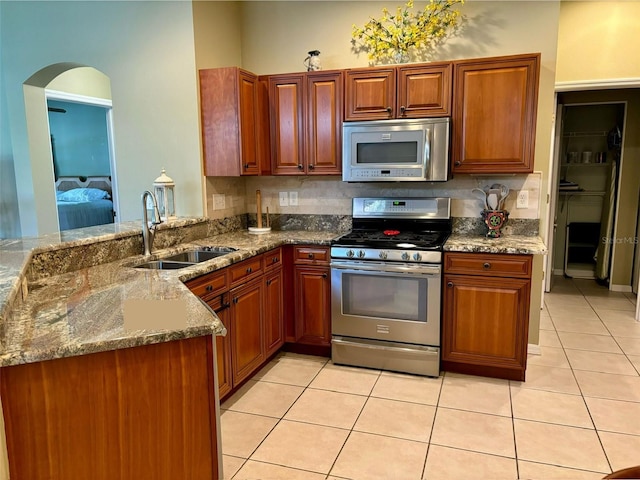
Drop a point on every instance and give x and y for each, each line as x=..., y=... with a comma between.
x=382, y=301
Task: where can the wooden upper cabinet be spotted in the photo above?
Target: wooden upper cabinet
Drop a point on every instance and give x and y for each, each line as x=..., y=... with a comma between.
x=370, y=94
x=424, y=91
x=232, y=122
x=306, y=123
x=324, y=123
x=415, y=91
x=494, y=114
x=286, y=97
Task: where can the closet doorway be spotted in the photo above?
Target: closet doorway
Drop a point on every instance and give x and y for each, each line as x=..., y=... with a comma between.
x=590, y=153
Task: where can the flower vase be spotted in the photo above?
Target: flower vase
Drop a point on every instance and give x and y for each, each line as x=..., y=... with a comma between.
x=401, y=56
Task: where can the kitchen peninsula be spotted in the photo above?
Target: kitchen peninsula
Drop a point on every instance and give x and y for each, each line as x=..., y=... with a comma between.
x=76, y=380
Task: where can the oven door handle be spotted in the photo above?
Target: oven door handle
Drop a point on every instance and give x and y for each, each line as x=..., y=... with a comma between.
x=387, y=268
x=419, y=350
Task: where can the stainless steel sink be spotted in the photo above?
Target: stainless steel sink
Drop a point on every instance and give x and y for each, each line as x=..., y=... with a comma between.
x=163, y=265
x=187, y=258
x=200, y=255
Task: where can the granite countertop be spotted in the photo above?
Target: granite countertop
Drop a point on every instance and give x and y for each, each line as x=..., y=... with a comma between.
x=512, y=244
x=83, y=311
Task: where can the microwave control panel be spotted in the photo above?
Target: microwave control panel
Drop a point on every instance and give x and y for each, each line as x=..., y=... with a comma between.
x=387, y=173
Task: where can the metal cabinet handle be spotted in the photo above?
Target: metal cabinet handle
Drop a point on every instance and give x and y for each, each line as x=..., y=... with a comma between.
x=209, y=288
x=300, y=166
x=274, y=260
x=269, y=282
x=311, y=167
x=457, y=163
x=249, y=270
x=324, y=275
x=311, y=255
x=402, y=110
x=389, y=109
x=486, y=265
x=246, y=166
x=449, y=284
x=235, y=300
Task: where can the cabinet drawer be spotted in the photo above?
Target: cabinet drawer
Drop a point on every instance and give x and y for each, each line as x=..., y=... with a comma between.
x=311, y=255
x=245, y=271
x=209, y=285
x=273, y=259
x=488, y=264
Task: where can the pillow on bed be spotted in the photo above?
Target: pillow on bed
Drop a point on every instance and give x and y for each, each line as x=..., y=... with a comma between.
x=82, y=195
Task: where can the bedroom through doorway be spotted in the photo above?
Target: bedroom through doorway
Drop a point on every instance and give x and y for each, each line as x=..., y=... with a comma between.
x=83, y=164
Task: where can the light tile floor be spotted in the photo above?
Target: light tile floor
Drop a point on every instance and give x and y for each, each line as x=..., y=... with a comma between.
x=576, y=417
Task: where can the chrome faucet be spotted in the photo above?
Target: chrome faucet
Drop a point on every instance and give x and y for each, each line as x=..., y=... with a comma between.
x=149, y=229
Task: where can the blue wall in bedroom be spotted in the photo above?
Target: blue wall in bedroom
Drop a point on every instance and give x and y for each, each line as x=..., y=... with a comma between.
x=80, y=139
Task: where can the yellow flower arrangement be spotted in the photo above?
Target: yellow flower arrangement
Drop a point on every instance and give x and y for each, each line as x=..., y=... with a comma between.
x=391, y=37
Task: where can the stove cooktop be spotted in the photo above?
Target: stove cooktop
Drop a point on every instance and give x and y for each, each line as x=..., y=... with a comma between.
x=393, y=239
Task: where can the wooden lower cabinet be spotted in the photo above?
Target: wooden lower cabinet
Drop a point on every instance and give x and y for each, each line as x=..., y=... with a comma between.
x=223, y=356
x=313, y=305
x=140, y=412
x=246, y=329
x=485, y=320
x=273, y=312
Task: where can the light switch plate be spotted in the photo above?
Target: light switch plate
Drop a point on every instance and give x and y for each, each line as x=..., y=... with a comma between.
x=293, y=199
x=284, y=199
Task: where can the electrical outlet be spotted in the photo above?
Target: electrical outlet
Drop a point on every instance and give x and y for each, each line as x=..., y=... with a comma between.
x=523, y=199
x=293, y=199
x=218, y=201
x=284, y=199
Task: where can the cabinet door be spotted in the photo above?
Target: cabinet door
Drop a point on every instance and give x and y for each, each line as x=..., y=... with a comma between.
x=313, y=305
x=287, y=124
x=273, y=312
x=223, y=353
x=324, y=123
x=247, y=339
x=485, y=325
x=424, y=91
x=228, y=105
x=370, y=94
x=248, y=106
x=494, y=114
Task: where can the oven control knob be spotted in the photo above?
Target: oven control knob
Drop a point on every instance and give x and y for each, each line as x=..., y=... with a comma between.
x=417, y=257
x=405, y=256
x=350, y=253
x=383, y=255
x=361, y=254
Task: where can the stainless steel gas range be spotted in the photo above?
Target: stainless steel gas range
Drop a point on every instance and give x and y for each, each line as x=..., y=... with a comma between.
x=385, y=285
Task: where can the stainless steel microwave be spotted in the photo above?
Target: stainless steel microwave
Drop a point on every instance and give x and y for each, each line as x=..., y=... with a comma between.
x=396, y=150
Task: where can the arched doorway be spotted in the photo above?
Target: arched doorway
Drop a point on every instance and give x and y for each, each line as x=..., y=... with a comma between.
x=82, y=89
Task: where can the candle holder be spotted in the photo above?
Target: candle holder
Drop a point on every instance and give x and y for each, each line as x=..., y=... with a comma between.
x=494, y=220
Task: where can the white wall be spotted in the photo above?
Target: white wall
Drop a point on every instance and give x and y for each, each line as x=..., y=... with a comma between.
x=146, y=49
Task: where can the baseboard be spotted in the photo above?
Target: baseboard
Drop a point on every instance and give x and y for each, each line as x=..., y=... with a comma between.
x=620, y=288
x=533, y=349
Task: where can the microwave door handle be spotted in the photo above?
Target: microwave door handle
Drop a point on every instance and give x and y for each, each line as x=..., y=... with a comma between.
x=427, y=152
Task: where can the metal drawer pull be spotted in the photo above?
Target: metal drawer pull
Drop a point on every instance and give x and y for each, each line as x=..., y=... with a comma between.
x=449, y=284
x=268, y=283
x=486, y=265
x=209, y=288
x=324, y=275
x=275, y=260
x=311, y=255
x=249, y=270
